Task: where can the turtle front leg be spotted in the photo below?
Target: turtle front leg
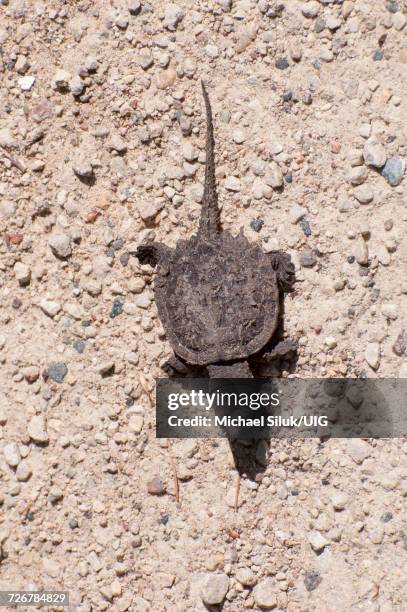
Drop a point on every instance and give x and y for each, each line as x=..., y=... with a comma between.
x=284, y=268
x=153, y=253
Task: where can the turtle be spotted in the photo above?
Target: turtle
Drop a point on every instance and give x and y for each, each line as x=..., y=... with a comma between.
x=218, y=296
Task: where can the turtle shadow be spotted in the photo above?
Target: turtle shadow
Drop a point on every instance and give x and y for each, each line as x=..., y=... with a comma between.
x=251, y=456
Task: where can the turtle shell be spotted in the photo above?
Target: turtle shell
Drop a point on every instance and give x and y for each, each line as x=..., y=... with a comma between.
x=218, y=299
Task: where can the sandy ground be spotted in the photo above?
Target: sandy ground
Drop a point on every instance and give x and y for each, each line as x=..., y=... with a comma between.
x=102, y=139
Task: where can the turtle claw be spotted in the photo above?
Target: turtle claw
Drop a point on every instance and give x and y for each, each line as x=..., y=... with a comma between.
x=284, y=268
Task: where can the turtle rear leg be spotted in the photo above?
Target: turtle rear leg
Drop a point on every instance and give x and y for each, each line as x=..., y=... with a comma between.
x=283, y=350
x=175, y=365
x=284, y=268
x=240, y=369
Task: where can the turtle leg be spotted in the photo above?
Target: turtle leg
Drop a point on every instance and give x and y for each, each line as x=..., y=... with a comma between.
x=153, y=253
x=175, y=365
x=240, y=369
x=283, y=350
x=284, y=268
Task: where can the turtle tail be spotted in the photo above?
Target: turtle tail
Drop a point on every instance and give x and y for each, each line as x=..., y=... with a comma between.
x=209, y=222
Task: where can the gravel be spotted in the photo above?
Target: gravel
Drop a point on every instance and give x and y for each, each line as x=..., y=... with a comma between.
x=37, y=429
x=57, y=370
x=60, y=245
x=308, y=258
x=312, y=580
x=374, y=154
x=264, y=594
x=372, y=354
x=214, y=589
x=232, y=183
x=12, y=454
x=393, y=171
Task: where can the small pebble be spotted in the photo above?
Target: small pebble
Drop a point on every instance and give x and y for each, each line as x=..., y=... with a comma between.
x=308, y=258
x=22, y=273
x=312, y=580
x=372, y=354
x=317, y=541
x=232, y=183
x=282, y=63
x=400, y=345
x=256, y=224
x=264, y=594
x=214, y=589
x=156, y=487
x=12, y=454
x=117, y=308
x=57, y=371
x=26, y=82
x=363, y=194
x=393, y=171
x=60, y=245
x=374, y=154
x=339, y=501
x=83, y=168
x=37, y=430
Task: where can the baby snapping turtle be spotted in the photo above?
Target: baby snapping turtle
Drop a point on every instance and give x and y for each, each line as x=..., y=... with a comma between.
x=218, y=295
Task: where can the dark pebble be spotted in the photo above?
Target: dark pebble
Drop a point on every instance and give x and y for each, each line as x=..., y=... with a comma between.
x=282, y=63
x=288, y=177
x=307, y=99
x=305, y=226
x=27, y=540
x=351, y=259
x=117, y=308
x=117, y=244
x=165, y=518
x=73, y=523
x=256, y=224
x=29, y=516
x=392, y=7
x=124, y=259
x=319, y=25
x=378, y=55
x=287, y=96
x=312, y=580
x=86, y=323
x=351, y=313
x=295, y=492
x=79, y=346
x=16, y=303
x=110, y=252
x=57, y=371
x=386, y=517
x=400, y=345
x=129, y=401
